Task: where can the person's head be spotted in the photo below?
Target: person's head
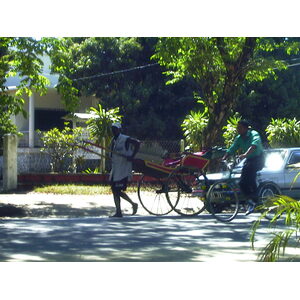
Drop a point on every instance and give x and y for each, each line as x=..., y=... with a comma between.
x=116, y=128
x=243, y=127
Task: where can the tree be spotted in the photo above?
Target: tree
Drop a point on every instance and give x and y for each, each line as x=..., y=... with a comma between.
x=100, y=124
x=99, y=66
x=19, y=56
x=276, y=98
x=220, y=66
x=100, y=127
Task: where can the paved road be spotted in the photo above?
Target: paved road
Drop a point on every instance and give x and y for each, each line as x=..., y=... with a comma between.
x=82, y=231
x=138, y=238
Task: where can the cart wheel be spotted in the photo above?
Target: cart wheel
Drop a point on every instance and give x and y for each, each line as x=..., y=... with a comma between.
x=152, y=196
x=223, y=201
x=192, y=192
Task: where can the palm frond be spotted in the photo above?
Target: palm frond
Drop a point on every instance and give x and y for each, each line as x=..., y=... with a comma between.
x=280, y=206
x=276, y=247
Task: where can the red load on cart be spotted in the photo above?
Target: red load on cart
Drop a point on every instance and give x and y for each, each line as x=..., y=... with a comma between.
x=191, y=160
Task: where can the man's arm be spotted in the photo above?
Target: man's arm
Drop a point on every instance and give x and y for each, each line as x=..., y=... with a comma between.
x=250, y=150
x=232, y=149
x=136, y=146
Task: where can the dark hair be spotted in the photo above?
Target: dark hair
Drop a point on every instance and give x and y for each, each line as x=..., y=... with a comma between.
x=244, y=123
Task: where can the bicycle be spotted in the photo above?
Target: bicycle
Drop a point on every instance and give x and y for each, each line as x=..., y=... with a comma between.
x=224, y=198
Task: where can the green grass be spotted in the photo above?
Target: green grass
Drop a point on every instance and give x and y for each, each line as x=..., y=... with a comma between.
x=76, y=189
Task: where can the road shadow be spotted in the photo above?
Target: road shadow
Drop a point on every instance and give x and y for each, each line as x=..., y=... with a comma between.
x=130, y=239
x=54, y=210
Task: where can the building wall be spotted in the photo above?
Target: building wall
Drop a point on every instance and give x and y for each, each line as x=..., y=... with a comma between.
x=51, y=101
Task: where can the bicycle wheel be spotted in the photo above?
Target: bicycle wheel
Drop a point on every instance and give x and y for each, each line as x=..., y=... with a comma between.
x=223, y=201
x=185, y=183
x=152, y=196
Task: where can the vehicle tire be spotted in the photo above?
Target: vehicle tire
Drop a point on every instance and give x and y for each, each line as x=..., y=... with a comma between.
x=223, y=201
x=185, y=183
x=266, y=191
x=152, y=196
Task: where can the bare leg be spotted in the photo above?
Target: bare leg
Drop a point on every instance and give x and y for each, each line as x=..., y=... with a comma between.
x=127, y=198
x=117, y=201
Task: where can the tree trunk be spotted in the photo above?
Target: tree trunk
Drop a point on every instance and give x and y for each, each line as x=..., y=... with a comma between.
x=220, y=111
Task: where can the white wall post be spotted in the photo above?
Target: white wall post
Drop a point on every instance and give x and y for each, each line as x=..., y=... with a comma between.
x=102, y=162
x=31, y=121
x=182, y=146
x=10, y=173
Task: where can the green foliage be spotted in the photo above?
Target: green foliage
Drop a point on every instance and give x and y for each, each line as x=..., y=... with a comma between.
x=90, y=171
x=19, y=56
x=280, y=206
x=62, y=145
x=150, y=108
x=193, y=127
x=100, y=124
x=284, y=132
x=83, y=57
x=220, y=67
x=276, y=97
x=230, y=130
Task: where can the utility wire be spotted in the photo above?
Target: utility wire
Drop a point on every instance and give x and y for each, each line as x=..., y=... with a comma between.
x=116, y=72
x=143, y=67
x=140, y=68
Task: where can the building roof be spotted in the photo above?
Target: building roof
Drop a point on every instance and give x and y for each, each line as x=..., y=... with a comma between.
x=79, y=117
x=13, y=82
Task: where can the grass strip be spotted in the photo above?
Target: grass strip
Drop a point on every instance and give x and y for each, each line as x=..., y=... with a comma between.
x=76, y=189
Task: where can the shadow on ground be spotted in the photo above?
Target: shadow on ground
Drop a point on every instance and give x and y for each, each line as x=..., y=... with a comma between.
x=131, y=239
x=44, y=209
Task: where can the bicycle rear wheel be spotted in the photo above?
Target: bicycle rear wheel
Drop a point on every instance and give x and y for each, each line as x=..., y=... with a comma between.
x=223, y=201
x=184, y=181
x=152, y=196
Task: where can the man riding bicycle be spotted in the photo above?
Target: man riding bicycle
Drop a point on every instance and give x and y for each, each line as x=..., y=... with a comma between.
x=249, y=142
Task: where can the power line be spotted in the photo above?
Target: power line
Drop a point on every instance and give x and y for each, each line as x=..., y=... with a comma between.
x=116, y=72
x=288, y=66
x=143, y=67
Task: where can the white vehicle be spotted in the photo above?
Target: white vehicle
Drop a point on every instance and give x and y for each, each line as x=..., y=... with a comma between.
x=279, y=176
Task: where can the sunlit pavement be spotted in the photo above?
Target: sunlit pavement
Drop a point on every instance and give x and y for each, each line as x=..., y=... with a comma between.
x=130, y=239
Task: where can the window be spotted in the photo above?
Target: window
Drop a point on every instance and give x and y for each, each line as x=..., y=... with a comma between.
x=48, y=119
x=295, y=158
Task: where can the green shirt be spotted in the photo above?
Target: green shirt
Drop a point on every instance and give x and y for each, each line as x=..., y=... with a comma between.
x=252, y=137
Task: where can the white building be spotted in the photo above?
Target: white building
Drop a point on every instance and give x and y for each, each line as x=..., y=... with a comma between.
x=43, y=113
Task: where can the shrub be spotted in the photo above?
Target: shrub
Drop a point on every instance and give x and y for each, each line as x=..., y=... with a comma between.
x=230, y=130
x=193, y=126
x=284, y=133
x=62, y=145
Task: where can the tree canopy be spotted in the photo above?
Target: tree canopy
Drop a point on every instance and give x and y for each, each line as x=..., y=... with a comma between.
x=156, y=82
x=221, y=66
x=20, y=56
x=273, y=98
x=110, y=68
